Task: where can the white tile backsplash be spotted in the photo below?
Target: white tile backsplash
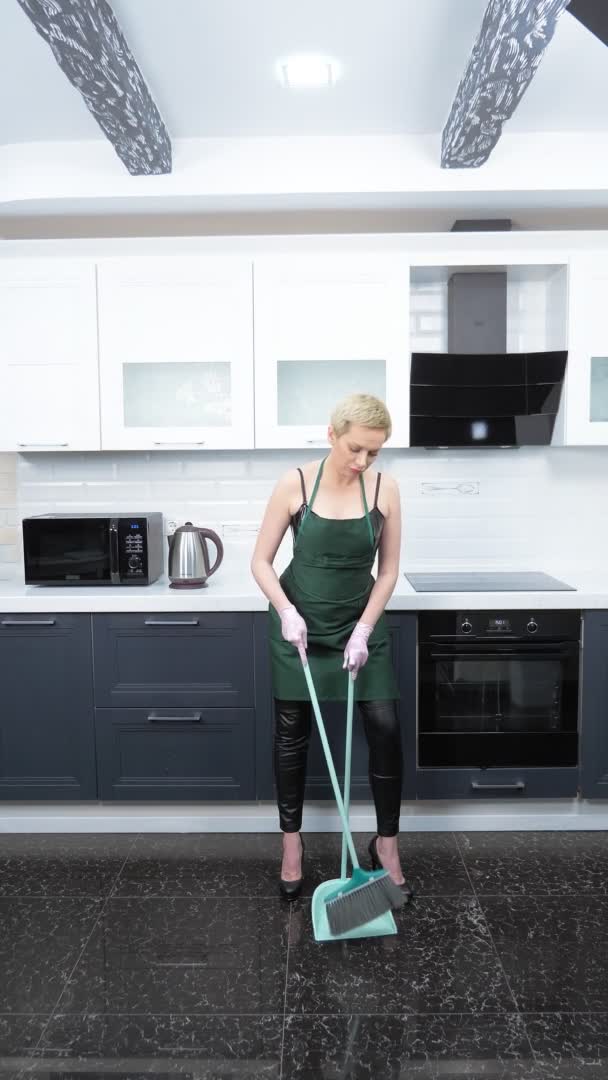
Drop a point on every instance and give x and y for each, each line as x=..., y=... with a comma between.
x=535, y=508
x=8, y=523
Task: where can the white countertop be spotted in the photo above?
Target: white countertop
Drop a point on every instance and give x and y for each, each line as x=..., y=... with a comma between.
x=233, y=589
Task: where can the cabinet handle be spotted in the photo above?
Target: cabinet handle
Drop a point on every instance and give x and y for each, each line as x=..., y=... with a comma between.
x=315, y=442
x=42, y=444
x=194, y=719
x=190, y=442
x=517, y=786
x=28, y=622
x=171, y=622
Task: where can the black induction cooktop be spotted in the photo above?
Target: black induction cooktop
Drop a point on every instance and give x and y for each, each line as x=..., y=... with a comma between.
x=487, y=581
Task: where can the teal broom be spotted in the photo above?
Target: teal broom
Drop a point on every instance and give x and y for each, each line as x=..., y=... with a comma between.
x=359, y=906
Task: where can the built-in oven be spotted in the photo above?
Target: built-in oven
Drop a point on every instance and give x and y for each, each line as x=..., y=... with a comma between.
x=498, y=689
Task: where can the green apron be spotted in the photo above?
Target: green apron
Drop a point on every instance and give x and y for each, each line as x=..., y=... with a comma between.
x=329, y=581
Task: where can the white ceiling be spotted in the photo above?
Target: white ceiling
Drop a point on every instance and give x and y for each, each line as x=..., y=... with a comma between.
x=210, y=67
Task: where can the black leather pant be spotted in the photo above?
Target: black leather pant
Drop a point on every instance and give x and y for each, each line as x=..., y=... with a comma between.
x=293, y=720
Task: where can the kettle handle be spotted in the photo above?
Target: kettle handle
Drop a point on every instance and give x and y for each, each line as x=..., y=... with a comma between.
x=210, y=535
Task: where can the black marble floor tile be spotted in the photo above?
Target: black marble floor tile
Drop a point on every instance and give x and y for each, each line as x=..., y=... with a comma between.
x=194, y=955
x=441, y=960
x=40, y=941
x=432, y=864
x=554, y=951
x=560, y=863
x=201, y=1047
x=61, y=865
x=202, y=864
x=570, y=1044
x=387, y=1047
x=18, y=1038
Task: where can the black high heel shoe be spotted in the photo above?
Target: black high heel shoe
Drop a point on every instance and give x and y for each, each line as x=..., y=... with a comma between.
x=290, y=890
x=377, y=865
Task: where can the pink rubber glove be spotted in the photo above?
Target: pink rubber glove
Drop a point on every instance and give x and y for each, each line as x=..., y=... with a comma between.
x=355, y=653
x=293, y=629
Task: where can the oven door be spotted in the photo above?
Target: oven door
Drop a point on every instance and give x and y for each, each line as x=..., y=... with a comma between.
x=70, y=551
x=491, y=705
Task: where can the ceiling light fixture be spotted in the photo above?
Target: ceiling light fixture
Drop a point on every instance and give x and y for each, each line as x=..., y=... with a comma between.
x=307, y=71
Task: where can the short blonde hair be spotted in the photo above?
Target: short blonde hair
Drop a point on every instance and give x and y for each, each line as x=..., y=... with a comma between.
x=363, y=409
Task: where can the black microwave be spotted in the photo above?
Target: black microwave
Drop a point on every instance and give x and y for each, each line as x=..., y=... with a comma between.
x=93, y=549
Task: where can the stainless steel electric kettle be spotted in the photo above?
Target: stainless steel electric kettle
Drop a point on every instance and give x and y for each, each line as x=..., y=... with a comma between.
x=189, y=556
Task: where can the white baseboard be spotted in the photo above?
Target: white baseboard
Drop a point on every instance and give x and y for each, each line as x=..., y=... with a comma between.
x=427, y=816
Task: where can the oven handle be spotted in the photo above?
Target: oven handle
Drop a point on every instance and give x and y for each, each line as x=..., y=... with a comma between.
x=534, y=652
x=519, y=785
x=448, y=641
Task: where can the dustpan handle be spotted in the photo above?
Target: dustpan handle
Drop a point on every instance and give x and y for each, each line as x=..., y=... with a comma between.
x=347, y=763
x=330, y=764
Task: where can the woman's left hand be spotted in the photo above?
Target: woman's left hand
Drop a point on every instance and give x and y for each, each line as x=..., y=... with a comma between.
x=355, y=653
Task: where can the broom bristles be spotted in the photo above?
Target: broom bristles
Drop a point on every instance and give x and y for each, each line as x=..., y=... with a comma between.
x=362, y=904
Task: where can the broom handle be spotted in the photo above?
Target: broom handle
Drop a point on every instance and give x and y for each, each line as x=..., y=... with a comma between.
x=347, y=763
x=330, y=765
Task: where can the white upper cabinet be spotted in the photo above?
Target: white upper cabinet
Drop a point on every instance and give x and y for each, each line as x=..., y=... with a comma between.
x=587, y=377
x=176, y=352
x=49, y=397
x=327, y=326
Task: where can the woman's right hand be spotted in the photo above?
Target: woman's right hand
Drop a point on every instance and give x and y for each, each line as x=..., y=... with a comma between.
x=293, y=629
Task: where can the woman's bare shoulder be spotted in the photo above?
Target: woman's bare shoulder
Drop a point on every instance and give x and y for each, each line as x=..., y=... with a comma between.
x=388, y=494
x=389, y=483
x=289, y=487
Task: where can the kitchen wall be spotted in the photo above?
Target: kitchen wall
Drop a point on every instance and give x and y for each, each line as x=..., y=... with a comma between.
x=8, y=501
x=537, y=507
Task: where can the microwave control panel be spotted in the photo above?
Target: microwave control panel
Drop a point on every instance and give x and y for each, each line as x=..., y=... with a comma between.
x=132, y=548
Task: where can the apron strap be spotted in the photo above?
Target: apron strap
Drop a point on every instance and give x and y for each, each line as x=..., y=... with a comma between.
x=316, y=486
x=367, y=517
x=308, y=505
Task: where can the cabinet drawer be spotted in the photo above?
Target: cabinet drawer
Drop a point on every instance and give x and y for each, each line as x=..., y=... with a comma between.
x=496, y=783
x=170, y=659
x=174, y=754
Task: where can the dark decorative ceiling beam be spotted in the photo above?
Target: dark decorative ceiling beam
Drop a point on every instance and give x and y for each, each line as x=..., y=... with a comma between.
x=91, y=50
x=513, y=37
x=593, y=14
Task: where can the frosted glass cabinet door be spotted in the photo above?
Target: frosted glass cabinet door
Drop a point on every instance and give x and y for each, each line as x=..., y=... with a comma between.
x=49, y=393
x=327, y=326
x=587, y=371
x=176, y=353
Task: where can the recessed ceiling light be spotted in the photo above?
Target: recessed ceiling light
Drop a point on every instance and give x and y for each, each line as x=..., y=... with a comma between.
x=307, y=71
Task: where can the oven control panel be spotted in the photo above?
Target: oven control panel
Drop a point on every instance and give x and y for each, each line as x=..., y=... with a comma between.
x=547, y=625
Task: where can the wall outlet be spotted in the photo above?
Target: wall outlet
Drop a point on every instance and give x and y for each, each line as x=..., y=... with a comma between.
x=464, y=487
x=171, y=527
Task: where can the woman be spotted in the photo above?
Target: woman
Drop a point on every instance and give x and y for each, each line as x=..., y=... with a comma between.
x=328, y=606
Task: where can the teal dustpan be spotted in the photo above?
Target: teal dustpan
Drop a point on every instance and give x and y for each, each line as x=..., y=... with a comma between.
x=382, y=924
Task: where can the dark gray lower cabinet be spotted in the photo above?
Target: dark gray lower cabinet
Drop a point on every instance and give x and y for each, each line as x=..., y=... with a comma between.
x=175, y=754
x=403, y=637
x=47, y=744
x=594, y=722
x=183, y=710
x=175, y=714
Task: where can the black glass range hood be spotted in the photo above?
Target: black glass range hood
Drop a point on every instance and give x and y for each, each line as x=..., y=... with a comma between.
x=485, y=399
